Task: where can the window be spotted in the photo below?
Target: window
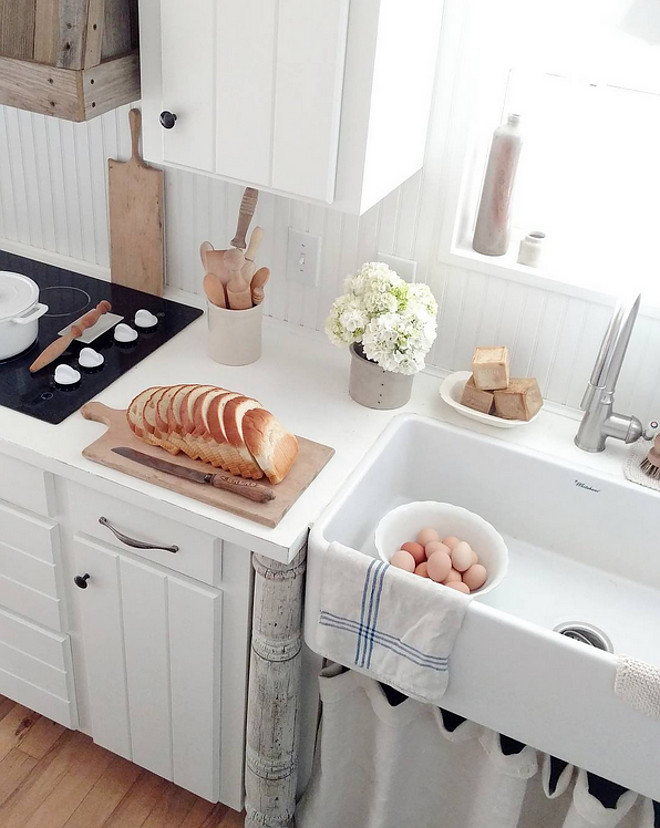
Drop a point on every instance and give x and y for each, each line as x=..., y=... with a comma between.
x=585, y=77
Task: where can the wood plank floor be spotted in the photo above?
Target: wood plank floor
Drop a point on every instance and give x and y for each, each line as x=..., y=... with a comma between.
x=51, y=777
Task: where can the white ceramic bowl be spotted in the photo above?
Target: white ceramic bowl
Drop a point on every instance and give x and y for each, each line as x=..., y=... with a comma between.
x=403, y=523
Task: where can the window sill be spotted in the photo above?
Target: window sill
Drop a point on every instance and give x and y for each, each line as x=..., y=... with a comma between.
x=506, y=267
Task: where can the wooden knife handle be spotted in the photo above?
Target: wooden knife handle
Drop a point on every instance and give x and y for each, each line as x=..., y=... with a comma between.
x=245, y=488
x=248, y=206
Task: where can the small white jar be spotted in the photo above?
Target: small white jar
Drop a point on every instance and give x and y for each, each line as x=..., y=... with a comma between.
x=531, y=248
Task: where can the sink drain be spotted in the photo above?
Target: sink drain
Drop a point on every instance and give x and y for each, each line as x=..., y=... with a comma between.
x=587, y=634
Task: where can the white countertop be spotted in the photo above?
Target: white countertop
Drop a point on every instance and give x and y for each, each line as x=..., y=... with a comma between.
x=303, y=380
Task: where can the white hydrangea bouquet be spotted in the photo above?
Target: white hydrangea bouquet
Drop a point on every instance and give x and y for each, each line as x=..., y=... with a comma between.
x=393, y=321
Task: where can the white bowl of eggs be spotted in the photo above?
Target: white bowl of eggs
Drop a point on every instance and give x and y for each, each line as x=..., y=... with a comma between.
x=443, y=542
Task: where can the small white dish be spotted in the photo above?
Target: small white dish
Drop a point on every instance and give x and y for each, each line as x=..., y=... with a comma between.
x=66, y=375
x=89, y=358
x=451, y=391
x=145, y=319
x=124, y=333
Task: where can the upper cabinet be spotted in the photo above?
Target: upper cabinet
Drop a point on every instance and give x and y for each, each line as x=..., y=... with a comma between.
x=322, y=100
x=74, y=59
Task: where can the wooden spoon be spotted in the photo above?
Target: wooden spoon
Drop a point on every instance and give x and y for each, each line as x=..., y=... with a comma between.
x=60, y=345
x=258, y=283
x=214, y=290
x=238, y=290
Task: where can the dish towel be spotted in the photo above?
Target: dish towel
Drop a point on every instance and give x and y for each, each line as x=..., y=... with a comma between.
x=638, y=684
x=397, y=628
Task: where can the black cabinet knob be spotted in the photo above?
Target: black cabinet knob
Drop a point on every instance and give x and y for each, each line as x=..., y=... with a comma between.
x=81, y=581
x=167, y=119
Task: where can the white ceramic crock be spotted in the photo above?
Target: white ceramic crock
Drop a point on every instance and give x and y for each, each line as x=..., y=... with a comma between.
x=20, y=311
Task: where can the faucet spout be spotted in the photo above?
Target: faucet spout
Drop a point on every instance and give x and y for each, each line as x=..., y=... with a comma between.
x=600, y=421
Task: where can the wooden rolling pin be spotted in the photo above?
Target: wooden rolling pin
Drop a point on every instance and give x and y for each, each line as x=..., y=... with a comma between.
x=62, y=342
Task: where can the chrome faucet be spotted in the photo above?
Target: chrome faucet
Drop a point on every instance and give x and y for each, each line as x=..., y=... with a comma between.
x=600, y=420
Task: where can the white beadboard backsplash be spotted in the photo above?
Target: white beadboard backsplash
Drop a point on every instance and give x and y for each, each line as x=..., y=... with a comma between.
x=53, y=198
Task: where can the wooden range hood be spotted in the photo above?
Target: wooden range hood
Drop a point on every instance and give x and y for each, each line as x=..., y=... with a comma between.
x=74, y=59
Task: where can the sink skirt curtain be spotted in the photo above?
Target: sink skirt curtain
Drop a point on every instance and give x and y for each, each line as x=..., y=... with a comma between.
x=384, y=762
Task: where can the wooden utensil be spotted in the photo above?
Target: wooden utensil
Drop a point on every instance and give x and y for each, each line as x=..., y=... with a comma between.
x=214, y=290
x=136, y=219
x=248, y=269
x=238, y=289
x=258, y=283
x=245, y=213
x=60, y=345
x=312, y=457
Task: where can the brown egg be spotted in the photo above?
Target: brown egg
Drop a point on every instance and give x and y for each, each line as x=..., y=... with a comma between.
x=461, y=556
x=436, y=546
x=438, y=566
x=450, y=541
x=454, y=575
x=422, y=569
x=475, y=576
x=427, y=535
x=416, y=550
x=403, y=560
x=460, y=586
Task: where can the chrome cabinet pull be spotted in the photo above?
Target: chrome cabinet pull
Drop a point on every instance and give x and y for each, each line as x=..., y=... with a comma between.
x=136, y=544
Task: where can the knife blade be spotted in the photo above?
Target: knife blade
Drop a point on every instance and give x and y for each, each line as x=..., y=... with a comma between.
x=220, y=480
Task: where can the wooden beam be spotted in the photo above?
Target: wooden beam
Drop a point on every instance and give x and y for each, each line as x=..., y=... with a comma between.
x=75, y=95
x=73, y=28
x=111, y=84
x=17, y=28
x=40, y=88
x=117, y=35
x=94, y=33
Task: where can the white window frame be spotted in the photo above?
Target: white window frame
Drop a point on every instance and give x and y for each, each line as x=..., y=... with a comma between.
x=469, y=105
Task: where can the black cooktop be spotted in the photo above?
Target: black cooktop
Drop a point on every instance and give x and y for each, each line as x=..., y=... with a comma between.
x=69, y=295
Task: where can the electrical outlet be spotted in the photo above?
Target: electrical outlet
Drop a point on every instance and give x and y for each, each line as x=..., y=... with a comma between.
x=406, y=268
x=303, y=258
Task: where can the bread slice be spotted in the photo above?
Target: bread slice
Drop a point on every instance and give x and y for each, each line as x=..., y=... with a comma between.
x=174, y=412
x=273, y=447
x=185, y=439
x=163, y=404
x=232, y=420
x=135, y=411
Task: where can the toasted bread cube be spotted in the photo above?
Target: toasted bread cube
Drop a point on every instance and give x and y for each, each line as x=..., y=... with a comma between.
x=472, y=397
x=490, y=368
x=520, y=401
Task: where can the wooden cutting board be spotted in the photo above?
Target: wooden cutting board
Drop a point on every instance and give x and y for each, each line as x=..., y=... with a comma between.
x=136, y=219
x=311, y=459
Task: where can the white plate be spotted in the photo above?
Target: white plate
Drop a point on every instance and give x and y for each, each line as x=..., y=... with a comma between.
x=451, y=391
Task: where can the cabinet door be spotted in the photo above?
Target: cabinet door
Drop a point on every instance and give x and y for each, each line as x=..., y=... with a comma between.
x=256, y=88
x=152, y=651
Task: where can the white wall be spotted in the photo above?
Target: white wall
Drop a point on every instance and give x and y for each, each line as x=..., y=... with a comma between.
x=53, y=197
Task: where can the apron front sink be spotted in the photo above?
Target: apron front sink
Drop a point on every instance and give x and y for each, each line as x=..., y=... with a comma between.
x=582, y=553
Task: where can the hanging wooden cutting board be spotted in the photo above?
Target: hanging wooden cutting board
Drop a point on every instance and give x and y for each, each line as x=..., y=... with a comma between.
x=136, y=219
x=312, y=457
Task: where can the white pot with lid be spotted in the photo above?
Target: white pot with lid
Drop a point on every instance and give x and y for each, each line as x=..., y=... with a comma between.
x=20, y=311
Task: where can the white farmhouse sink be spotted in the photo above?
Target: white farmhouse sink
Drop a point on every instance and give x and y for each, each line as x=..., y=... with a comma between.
x=582, y=549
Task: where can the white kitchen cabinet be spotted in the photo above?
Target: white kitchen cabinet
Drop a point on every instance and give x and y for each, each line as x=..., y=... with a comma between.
x=153, y=655
x=327, y=101
x=35, y=655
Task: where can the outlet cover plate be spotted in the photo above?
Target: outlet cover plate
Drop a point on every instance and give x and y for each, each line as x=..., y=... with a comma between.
x=303, y=257
x=406, y=268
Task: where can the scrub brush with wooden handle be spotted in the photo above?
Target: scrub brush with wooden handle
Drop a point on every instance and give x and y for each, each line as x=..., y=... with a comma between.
x=650, y=465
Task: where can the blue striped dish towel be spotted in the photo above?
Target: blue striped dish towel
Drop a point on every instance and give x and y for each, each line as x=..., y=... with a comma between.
x=394, y=626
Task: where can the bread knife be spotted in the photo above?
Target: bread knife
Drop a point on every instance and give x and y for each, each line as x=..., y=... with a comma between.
x=228, y=482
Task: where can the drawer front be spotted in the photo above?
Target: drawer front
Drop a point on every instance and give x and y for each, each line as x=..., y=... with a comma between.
x=28, y=587
x=121, y=525
x=35, y=669
x=38, y=537
x=26, y=486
